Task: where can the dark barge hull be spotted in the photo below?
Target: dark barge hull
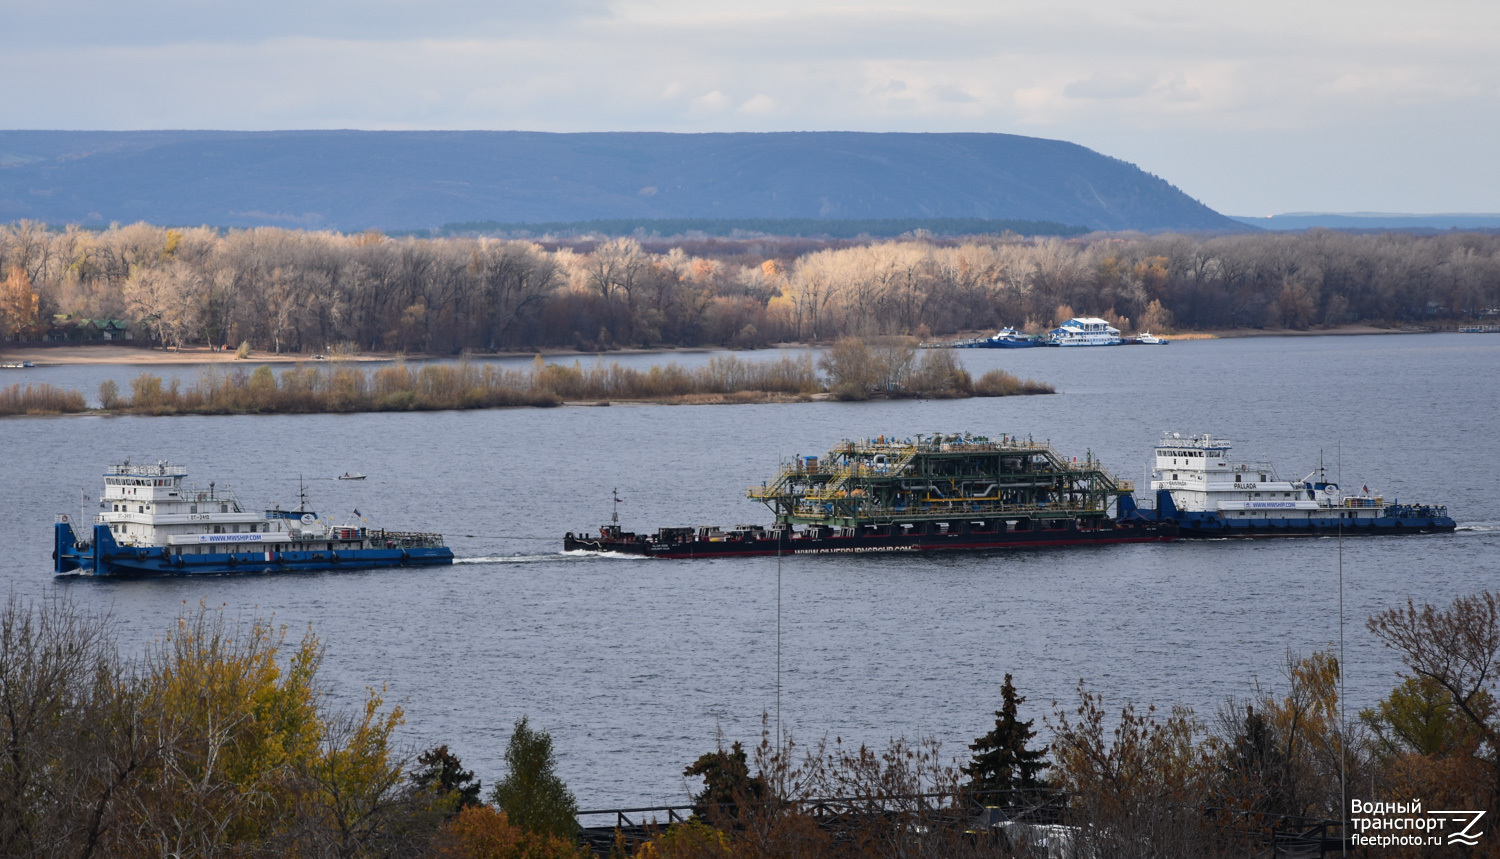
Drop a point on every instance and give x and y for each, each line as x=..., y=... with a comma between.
x=641, y=544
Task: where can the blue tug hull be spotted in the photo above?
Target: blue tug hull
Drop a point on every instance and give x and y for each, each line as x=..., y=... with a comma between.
x=105, y=557
x=1402, y=519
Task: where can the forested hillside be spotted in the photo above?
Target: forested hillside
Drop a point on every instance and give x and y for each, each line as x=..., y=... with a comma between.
x=356, y=180
x=289, y=290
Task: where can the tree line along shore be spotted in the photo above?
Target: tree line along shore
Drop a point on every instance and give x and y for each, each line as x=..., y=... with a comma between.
x=281, y=290
x=850, y=370
x=219, y=739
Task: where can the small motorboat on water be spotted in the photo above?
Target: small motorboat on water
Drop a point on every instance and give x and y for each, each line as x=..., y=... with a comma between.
x=1149, y=339
x=347, y=476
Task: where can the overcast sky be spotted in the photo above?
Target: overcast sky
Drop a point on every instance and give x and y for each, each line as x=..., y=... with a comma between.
x=1252, y=107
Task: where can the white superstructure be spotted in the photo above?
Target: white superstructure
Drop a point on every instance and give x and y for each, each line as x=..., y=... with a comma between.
x=1085, y=331
x=1203, y=480
x=149, y=506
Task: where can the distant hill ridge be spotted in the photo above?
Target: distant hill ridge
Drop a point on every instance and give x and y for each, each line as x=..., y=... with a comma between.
x=356, y=180
x=1374, y=221
x=837, y=228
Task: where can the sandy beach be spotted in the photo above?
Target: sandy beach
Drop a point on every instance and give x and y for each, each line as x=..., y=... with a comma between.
x=112, y=354
x=107, y=353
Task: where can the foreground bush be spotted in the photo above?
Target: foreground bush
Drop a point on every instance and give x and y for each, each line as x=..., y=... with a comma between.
x=216, y=742
x=482, y=832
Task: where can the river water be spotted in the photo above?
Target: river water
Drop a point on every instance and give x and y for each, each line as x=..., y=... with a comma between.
x=634, y=665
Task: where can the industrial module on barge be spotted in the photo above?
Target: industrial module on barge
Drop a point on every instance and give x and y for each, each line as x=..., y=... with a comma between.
x=1207, y=494
x=152, y=524
x=937, y=492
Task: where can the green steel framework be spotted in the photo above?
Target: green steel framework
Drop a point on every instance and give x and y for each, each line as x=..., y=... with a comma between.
x=884, y=481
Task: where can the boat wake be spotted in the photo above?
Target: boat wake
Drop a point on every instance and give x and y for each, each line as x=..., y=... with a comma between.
x=535, y=559
x=508, y=559
x=619, y=556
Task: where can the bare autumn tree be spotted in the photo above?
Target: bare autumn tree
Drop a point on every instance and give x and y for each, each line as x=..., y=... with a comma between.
x=513, y=280
x=215, y=743
x=1136, y=786
x=287, y=290
x=19, y=306
x=1456, y=649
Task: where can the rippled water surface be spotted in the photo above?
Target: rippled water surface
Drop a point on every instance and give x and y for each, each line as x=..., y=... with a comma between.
x=632, y=665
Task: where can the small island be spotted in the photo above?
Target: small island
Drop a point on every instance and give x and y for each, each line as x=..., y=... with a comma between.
x=852, y=369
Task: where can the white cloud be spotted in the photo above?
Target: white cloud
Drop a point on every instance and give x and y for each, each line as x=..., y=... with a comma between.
x=711, y=102
x=758, y=105
x=1104, y=85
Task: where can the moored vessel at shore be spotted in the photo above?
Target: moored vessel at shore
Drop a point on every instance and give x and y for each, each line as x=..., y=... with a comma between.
x=938, y=492
x=1206, y=494
x=153, y=524
x=1085, y=331
x=1005, y=338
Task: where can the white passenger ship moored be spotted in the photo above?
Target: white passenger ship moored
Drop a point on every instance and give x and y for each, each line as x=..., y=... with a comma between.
x=1208, y=495
x=1085, y=331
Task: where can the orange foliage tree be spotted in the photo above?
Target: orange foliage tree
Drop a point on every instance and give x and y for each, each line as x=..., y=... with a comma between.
x=19, y=307
x=482, y=832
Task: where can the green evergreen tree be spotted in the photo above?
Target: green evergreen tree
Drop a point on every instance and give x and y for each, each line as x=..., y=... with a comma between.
x=726, y=783
x=531, y=794
x=1001, y=759
x=444, y=774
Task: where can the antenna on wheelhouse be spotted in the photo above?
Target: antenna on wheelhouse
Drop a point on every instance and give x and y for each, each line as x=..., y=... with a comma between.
x=614, y=516
x=301, y=495
x=1343, y=702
